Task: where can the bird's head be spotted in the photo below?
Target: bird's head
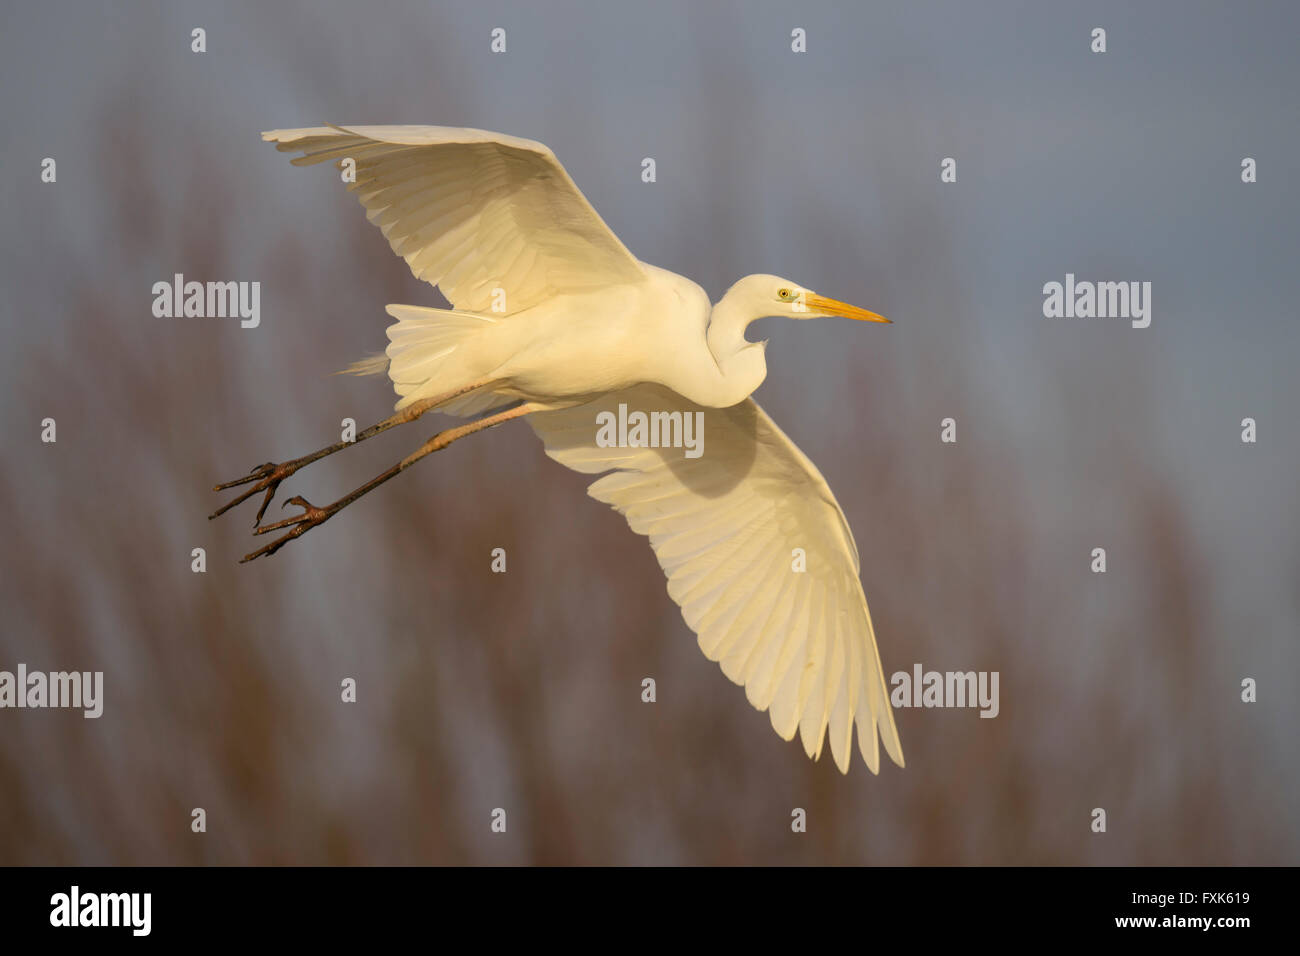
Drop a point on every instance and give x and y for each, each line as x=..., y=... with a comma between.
x=756, y=297
x=771, y=295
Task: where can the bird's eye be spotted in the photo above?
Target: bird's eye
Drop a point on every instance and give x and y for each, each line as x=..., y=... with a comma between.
x=783, y=293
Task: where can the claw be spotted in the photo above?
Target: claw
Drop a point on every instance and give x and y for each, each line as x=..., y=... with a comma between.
x=298, y=524
x=266, y=477
x=258, y=471
x=230, y=504
x=270, y=493
x=309, y=512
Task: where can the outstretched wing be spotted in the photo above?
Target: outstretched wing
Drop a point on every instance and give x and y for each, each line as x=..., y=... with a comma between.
x=473, y=212
x=725, y=526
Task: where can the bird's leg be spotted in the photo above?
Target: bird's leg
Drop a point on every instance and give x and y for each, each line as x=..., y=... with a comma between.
x=267, y=477
x=312, y=516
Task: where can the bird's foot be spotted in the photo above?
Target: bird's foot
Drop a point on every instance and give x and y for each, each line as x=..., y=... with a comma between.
x=265, y=478
x=299, y=524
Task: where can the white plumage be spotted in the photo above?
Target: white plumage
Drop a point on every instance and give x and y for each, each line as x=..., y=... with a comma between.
x=470, y=211
x=724, y=527
x=551, y=311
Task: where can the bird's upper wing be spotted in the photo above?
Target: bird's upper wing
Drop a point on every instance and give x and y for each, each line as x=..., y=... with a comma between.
x=725, y=526
x=472, y=211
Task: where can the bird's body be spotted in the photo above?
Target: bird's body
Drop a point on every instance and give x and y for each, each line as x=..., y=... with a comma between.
x=552, y=316
x=569, y=350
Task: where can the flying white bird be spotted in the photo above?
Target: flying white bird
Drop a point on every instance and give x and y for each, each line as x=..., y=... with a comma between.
x=553, y=317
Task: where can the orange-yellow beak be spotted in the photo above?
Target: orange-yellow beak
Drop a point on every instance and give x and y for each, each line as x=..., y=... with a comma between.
x=819, y=303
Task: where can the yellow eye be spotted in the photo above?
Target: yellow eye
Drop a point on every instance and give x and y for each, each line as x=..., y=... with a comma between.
x=784, y=293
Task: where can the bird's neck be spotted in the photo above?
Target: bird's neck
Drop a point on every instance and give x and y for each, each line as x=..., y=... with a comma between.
x=742, y=365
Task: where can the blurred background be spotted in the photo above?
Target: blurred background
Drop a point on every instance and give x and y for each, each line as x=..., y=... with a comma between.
x=522, y=691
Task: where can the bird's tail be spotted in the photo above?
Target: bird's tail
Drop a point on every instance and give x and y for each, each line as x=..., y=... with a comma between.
x=432, y=351
x=370, y=365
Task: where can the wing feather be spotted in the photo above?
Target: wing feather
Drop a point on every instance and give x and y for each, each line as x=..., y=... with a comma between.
x=472, y=212
x=724, y=527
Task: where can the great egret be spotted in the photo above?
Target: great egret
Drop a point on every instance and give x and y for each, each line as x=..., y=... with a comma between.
x=554, y=317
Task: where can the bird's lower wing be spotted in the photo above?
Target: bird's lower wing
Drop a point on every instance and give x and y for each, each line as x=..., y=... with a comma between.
x=493, y=220
x=731, y=529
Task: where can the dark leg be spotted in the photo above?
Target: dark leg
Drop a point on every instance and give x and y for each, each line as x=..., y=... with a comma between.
x=268, y=477
x=312, y=516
